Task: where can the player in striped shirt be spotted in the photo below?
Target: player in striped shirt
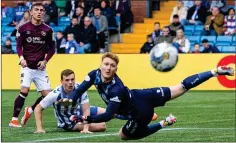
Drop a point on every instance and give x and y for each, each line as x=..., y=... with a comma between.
x=63, y=98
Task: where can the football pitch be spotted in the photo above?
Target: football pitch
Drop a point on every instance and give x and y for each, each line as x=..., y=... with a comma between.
x=202, y=116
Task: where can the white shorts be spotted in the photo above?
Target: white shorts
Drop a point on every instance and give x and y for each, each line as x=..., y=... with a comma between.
x=38, y=77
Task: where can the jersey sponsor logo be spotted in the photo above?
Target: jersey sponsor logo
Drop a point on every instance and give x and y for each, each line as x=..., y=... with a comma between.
x=35, y=40
x=87, y=78
x=43, y=33
x=115, y=99
x=29, y=39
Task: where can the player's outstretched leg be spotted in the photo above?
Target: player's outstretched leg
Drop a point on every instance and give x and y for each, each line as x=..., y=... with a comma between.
x=30, y=110
x=19, y=103
x=150, y=129
x=197, y=79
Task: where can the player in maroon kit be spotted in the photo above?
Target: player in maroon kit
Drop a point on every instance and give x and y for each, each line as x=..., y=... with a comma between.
x=35, y=47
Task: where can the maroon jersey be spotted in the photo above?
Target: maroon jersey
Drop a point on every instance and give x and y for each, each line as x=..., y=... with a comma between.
x=34, y=42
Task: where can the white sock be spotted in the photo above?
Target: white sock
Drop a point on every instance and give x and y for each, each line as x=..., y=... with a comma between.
x=214, y=73
x=162, y=123
x=30, y=110
x=14, y=118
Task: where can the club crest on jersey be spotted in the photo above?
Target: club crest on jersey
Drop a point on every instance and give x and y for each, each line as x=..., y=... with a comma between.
x=43, y=33
x=27, y=32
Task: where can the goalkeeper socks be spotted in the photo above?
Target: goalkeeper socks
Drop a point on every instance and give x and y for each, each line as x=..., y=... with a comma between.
x=36, y=103
x=19, y=103
x=150, y=129
x=195, y=80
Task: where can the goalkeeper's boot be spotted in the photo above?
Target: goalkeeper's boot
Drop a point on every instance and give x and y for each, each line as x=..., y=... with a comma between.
x=224, y=70
x=168, y=121
x=15, y=124
x=26, y=116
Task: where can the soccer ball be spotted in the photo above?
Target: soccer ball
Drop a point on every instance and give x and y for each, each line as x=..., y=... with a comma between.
x=163, y=57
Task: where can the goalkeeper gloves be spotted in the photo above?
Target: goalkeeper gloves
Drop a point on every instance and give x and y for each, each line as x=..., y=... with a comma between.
x=82, y=119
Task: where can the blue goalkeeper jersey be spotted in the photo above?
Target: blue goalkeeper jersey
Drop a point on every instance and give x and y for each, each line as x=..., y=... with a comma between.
x=115, y=94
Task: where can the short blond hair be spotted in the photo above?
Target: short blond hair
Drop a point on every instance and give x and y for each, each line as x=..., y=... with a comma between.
x=111, y=56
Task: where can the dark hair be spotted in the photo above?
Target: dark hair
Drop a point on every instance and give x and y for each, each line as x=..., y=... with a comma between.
x=231, y=9
x=80, y=7
x=97, y=7
x=157, y=23
x=149, y=36
x=175, y=16
x=60, y=32
x=166, y=28
x=37, y=4
x=205, y=41
x=66, y=72
x=74, y=17
x=26, y=11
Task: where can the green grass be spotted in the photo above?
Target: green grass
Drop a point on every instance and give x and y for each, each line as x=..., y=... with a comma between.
x=201, y=117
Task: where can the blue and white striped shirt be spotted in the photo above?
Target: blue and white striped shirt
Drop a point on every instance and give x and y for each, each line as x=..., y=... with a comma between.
x=63, y=113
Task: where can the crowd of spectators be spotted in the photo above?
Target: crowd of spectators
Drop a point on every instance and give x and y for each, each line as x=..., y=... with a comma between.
x=89, y=18
x=216, y=18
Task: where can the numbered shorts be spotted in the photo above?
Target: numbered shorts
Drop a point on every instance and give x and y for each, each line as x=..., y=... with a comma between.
x=144, y=103
x=38, y=77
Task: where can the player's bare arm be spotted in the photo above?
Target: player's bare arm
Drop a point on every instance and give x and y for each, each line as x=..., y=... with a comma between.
x=86, y=112
x=38, y=119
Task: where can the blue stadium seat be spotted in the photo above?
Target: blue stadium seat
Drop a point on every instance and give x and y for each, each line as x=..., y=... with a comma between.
x=14, y=49
x=5, y=23
x=117, y=23
x=9, y=29
x=211, y=39
x=13, y=43
x=188, y=29
x=224, y=40
x=64, y=18
x=9, y=12
x=52, y=24
x=234, y=41
x=13, y=38
x=198, y=30
x=7, y=19
x=228, y=49
x=193, y=40
x=219, y=48
x=64, y=23
x=6, y=33
x=58, y=28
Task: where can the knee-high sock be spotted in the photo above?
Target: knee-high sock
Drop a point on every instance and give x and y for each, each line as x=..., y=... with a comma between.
x=150, y=129
x=195, y=80
x=37, y=102
x=19, y=103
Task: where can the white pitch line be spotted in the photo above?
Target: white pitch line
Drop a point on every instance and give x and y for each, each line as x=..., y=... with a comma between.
x=77, y=137
x=113, y=134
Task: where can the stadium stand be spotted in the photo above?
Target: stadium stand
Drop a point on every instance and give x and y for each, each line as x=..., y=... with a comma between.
x=131, y=42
